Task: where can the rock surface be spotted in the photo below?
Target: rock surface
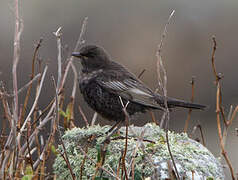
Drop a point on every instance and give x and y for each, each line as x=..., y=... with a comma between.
x=146, y=153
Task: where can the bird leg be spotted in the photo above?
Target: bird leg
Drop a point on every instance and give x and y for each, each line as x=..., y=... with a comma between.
x=103, y=148
x=117, y=124
x=112, y=131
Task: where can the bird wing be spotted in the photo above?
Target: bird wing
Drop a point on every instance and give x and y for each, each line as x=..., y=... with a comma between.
x=130, y=88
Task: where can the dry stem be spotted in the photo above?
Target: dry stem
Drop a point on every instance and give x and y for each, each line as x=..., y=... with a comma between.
x=126, y=139
x=163, y=86
x=32, y=78
x=218, y=108
x=190, y=109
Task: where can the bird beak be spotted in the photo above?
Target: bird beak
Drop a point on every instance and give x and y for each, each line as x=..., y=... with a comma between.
x=76, y=54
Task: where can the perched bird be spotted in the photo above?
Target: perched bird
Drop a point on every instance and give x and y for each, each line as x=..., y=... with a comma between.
x=103, y=82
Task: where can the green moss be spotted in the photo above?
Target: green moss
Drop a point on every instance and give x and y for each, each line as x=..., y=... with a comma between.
x=150, y=154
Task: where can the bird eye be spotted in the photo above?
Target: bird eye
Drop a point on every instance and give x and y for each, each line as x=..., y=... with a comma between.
x=90, y=54
x=85, y=56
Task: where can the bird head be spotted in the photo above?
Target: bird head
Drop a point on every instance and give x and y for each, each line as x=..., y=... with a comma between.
x=92, y=57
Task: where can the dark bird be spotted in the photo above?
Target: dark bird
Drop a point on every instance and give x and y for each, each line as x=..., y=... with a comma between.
x=103, y=82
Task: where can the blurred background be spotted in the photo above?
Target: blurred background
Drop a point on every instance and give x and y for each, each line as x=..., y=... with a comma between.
x=130, y=31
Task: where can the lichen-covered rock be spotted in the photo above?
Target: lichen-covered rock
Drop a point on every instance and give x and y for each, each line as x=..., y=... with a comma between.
x=147, y=155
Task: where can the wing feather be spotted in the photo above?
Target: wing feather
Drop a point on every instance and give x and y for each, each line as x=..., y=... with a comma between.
x=131, y=89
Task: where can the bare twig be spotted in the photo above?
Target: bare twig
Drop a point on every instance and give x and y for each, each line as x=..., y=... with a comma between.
x=213, y=59
x=55, y=124
x=53, y=119
x=28, y=146
x=190, y=109
x=30, y=83
x=153, y=117
x=18, y=31
x=159, y=54
x=82, y=165
x=72, y=98
x=151, y=112
x=102, y=168
x=7, y=112
x=141, y=73
x=161, y=69
x=83, y=115
x=15, y=156
x=67, y=162
x=51, y=106
x=95, y=115
x=83, y=30
x=75, y=81
x=218, y=108
x=44, y=111
x=80, y=41
x=34, y=104
x=163, y=86
x=58, y=35
x=232, y=116
x=225, y=129
x=201, y=133
x=131, y=169
x=16, y=56
x=22, y=88
x=64, y=154
x=126, y=143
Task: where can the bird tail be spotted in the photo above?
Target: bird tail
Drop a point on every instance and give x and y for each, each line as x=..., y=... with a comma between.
x=172, y=102
x=181, y=103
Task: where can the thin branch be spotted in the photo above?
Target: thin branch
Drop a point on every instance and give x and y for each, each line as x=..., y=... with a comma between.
x=67, y=162
x=163, y=87
x=151, y=112
x=72, y=98
x=18, y=31
x=159, y=52
x=22, y=88
x=16, y=56
x=75, y=80
x=28, y=146
x=64, y=154
x=95, y=115
x=83, y=115
x=82, y=165
x=218, y=108
x=153, y=117
x=141, y=73
x=225, y=129
x=80, y=41
x=201, y=133
x=26, y=85
x=32, y=79
x=55, y=124
x=100, y=167
x=233, y=116
x=34, y=104
x=213, y=59
x=43, y=112
x=190, y=109
x=139, y=140
x=58, y=35
x=7, y=112
x=126, y=140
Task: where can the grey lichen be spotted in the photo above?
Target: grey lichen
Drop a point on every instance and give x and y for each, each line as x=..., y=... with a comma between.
x=147, y=150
